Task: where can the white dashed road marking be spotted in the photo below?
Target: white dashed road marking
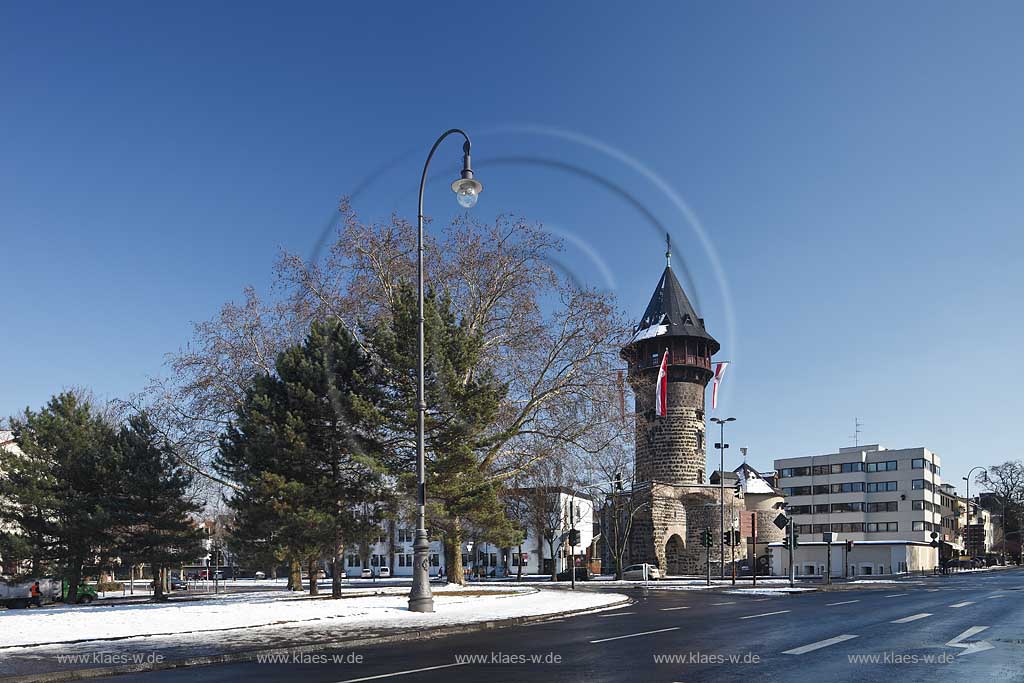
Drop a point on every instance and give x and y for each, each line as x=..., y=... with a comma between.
x=669, y=609
x=634, y=635
x=818, y=645
x=402, y=673
x=912, y=617
x=962, y=604
x=617, y=614
x=715, y=604
x=766, y=614
x=844, y=602
x=897, y=595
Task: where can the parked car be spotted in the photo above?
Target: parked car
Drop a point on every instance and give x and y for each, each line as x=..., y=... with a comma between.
x=582, y=574
x=635, y=572
x=179, y=585
x=367, y=573
x=384, y=572
x=260, y=575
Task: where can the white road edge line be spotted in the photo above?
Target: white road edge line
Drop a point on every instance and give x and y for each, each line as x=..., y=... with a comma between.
x=628, y=635
x=402, y=673
x=844, y=602
x=818, y=645
x=962, y=604
x=766, y=614
x=912, y=617
x=669, y=609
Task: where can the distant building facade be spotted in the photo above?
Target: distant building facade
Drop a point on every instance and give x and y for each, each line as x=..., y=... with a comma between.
x=888, y=502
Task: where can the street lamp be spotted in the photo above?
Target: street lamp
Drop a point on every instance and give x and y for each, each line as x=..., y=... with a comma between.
x=968, y=480
x=721, y=488
x=467, y=190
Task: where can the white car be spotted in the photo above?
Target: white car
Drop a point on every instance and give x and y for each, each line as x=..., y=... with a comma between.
x=260, y=575
x=367, y=573
x=384, y=572
x=635, y=572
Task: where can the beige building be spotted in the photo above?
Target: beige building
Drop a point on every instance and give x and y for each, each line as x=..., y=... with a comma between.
x=887, y=501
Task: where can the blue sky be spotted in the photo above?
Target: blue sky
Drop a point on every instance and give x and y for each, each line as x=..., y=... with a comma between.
x=857, y=168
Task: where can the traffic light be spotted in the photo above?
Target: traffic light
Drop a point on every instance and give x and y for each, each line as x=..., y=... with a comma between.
x=726, y=538
x=796, y=538
x=849, y=546
x=737, y=489
x=706, y=538
x=618, y=481
x=735, y=536
x=574, y=537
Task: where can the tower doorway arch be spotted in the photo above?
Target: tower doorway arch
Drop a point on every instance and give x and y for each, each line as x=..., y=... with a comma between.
x=674, y=555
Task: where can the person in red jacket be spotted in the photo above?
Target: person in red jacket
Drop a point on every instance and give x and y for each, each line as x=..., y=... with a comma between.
x=37, y=595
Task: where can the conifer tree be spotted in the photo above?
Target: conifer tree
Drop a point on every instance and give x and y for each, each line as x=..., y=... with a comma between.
x=154, y=518
x=304, y=450
x=57, y=488
x=463, y=399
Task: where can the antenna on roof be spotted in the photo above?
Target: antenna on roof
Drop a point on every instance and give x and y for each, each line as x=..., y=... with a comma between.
x=668, y=250
x=857, y=424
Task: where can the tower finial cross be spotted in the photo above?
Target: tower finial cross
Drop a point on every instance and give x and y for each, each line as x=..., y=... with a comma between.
x=668, y=250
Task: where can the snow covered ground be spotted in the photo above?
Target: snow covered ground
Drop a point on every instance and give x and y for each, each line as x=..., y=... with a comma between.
x=280, y=615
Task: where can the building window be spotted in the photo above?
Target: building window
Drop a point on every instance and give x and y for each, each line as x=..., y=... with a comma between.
x=353, y=560
x=918, y=526
x=917, y=484
x=877, y=486
x=917, y=464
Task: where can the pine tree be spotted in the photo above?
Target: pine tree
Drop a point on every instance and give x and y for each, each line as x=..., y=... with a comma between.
x=154, y=519
x=304, y=451
x=462, y=408
x=56, y=490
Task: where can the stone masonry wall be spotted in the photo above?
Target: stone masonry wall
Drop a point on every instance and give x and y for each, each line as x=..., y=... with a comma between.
x=670, y=449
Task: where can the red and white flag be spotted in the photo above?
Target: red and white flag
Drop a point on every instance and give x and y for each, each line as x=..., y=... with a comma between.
x=661, y=390
x=719, y=374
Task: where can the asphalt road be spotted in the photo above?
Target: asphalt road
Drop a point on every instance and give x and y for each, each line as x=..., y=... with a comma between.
x=890, y=633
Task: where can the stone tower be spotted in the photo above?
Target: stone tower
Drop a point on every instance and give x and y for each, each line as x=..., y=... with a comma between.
x=673, y=500
x=670, y=449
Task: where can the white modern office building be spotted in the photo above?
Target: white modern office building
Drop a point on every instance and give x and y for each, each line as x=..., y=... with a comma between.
x=394, y=547
x=887, y=502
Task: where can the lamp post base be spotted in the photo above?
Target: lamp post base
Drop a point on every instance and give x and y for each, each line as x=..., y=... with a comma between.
x=420, y=598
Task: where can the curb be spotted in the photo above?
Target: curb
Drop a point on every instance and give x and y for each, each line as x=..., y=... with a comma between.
x=250, y=655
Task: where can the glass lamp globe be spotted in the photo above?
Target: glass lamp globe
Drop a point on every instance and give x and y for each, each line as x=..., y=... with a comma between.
x=467, y=192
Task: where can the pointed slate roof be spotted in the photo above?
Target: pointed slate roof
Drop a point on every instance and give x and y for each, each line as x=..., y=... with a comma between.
x=671, y=314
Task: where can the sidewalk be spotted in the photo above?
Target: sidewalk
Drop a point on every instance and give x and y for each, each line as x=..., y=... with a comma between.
x=69, y=643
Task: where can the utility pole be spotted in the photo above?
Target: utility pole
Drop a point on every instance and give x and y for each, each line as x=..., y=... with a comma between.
x=733, y=538
x=792, y=554
x=753, y=538
x=572, y=546
x=828, y=556
x=722, y=445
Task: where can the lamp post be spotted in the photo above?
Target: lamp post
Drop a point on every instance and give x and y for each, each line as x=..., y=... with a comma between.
x=467, y=189
x=967, y=530
x=721, y=488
